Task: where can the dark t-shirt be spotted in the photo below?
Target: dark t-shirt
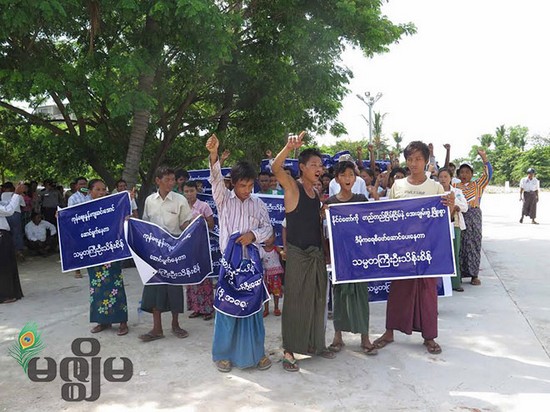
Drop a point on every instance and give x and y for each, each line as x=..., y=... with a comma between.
x=355, y=198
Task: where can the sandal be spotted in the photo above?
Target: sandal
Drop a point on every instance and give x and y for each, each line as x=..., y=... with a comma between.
x=460, y=289
x=370, y=350
x=336, y=347
x=290, y=365
x=381, y=342
x=8, y=300
x=208, y=316
x=475, y=281
x=224, y=366
x=122, y=330
x=194, y=315
x=100, y=328
x=433, y=347
x=266, y=312
x=180, y=333
x=277, y=312
x=149, y=337
x=264, y=364
x=327, y=354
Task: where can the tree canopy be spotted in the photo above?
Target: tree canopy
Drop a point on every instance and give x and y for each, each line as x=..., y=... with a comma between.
x=140, y=83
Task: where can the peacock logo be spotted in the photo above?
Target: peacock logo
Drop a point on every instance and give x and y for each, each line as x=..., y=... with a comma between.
x=28, y=346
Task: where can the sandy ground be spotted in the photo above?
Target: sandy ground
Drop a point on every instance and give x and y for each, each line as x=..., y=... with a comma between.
x=495, y=340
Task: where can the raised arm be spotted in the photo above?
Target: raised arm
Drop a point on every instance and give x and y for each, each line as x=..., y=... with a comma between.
x=359, y=156
x=219, y=191
x=372, y=159
x=447, y=147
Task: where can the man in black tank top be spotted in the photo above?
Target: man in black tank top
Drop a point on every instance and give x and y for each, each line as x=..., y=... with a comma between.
x=303, y=321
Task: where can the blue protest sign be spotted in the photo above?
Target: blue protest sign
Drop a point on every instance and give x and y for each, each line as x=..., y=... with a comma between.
x=203, y=175
x=393, y=239
x=241, y=291
x=276, y=208
x=92, y=233
x=265, y=166
x=161, y=258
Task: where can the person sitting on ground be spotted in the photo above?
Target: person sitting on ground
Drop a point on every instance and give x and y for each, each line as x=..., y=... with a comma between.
x=38, y=238
x=351, y=300
x=412, y=303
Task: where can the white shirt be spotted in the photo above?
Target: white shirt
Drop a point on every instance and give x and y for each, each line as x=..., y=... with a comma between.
x=78, y=198
x=37, y=233
x=528, y=185
x=169, y=213
x=6, y=197
x=359, y=187
x=7, y=210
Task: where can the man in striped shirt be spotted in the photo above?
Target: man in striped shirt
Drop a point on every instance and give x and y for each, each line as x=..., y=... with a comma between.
x=238, y=341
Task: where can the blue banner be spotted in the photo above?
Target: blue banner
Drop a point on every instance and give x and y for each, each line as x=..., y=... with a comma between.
x=92, y=233
x=203, y=175
x=276, y=209
x=265, y=166
x=393, y=239
x=241, y=291
x=161, y=258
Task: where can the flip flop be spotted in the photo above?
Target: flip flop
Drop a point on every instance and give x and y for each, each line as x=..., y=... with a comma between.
x=180, y=333
x=475, y=282
x=100, y=328
x=149, y=337
x=277, y=312
x=433, y=348
x=266, y=313
x=327, y=354
x=336, y=347
x=224, y=366
x=290, y=365
x=122, y=331
x=370, y=351
x=264, y=364
x=381, y=343
x=208, y=317
x=194, y=315
x=9, y=300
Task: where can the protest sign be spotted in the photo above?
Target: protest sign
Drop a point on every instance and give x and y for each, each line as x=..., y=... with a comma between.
x=161, y=258
x=241, y=291
x=92, y=233
x=203, y=175
x=393, y=239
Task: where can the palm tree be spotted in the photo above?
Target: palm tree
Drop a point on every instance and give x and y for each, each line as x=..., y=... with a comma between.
x=398, y=139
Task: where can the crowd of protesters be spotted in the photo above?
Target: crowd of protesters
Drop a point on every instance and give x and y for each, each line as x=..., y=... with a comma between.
x=28, y=222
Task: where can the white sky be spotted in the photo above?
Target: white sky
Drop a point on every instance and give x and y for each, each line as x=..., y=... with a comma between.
x=472, y=66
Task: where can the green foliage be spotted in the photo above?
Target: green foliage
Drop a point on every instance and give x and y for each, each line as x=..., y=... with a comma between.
x=251, y=71
x=507, y=154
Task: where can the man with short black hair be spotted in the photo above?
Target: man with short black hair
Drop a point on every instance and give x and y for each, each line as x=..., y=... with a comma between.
x=170, y=211
x=529, y=192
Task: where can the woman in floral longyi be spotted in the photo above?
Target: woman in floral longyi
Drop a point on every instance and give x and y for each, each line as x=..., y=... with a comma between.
x=107, y=295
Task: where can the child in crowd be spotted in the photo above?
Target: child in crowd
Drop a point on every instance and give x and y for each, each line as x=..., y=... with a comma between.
x=351, y=300
x=273, y=273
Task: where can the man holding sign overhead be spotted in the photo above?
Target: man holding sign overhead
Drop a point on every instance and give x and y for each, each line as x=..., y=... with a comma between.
x=412, y=303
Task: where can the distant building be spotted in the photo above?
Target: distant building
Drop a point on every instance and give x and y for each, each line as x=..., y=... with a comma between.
x=51, y=111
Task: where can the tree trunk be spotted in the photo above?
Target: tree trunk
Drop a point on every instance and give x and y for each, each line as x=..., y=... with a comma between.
x=152, y=48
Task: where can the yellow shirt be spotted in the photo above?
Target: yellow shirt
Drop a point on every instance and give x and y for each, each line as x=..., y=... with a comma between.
x=169, y=213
